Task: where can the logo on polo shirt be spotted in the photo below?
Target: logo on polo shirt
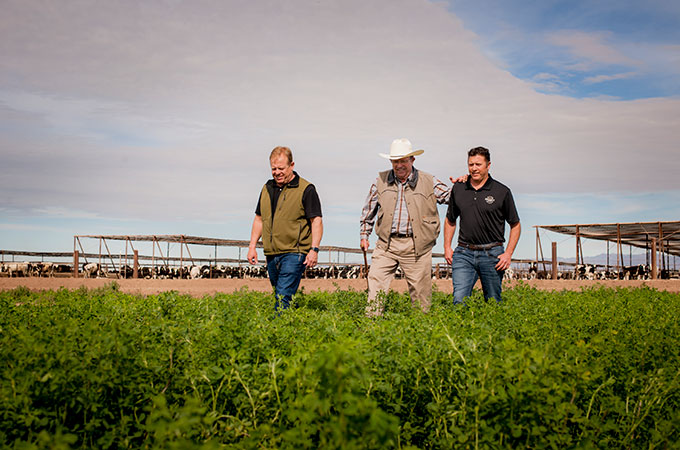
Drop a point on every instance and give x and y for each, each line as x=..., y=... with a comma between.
x=489, y=199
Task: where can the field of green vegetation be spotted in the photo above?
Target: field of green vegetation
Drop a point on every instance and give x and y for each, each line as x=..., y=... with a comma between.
x=598, y=368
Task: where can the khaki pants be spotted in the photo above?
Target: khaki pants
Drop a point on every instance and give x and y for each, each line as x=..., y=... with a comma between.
x=417, y=272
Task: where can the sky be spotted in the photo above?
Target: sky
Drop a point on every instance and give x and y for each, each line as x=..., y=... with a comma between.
x=158, y=117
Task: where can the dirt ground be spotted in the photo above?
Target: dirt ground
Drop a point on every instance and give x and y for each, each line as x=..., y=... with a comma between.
x=201, y=287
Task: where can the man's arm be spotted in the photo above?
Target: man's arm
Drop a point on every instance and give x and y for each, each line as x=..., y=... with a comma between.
x=367, y=218
x=441, y=191
x=506, y=258
x=317, y=233
x=255, y=235
x=449, y=231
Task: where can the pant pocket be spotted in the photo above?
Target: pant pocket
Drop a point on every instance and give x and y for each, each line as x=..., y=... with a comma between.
x=494, y=253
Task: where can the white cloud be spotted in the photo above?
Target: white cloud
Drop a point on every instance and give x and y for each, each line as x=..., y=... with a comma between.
x=602, y=78
x=65, y=213
x=172, y=115
x=592, y=48
x=550, y=83
x=101, y=119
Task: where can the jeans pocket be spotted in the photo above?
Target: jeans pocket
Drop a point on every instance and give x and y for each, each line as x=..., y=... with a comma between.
x=494, y=253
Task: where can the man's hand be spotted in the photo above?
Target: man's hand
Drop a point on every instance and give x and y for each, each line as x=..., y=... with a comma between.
x=255, y=235
x=311, y=259
x=448, y=255
x=252, y=256
x=364, y=244
x=460, y=179
x=504, y=261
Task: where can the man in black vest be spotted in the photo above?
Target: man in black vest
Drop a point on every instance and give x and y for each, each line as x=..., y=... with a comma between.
x=288, y=218
x=483, y=205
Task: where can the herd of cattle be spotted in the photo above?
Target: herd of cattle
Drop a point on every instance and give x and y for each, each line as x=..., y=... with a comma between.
x=34, y=269
x=95, y=270
x=347, y=271
x=591, y=272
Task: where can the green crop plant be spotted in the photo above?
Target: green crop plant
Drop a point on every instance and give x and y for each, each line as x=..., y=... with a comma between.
x=596, y=368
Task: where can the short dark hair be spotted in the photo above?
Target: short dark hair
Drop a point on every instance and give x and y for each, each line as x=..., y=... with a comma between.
x=480, y=151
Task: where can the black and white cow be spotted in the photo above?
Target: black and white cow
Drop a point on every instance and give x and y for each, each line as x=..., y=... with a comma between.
x=17, y=269
x=91, y=270
x=584, y=272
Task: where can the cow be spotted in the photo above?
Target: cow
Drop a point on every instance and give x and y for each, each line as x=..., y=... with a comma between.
x=126, y=271
x=17, y=269
x=194, y=272
x=44, y=269
x=533, y=270
x=638, y=272
x=91, y=270
x=584, y=272
x=63, y=268
x=508, y=274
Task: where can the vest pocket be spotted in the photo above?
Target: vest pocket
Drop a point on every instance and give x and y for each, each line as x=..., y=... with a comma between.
x=430, y=229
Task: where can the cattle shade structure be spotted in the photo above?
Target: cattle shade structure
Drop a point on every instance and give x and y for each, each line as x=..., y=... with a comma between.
x=184, y=241
x=661, y=238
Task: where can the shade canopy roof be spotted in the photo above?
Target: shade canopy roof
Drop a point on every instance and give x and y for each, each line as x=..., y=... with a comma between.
x=636, y=234
x=184, y=239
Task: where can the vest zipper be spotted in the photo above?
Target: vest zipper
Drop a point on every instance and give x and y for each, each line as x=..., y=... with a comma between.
x=278, y=206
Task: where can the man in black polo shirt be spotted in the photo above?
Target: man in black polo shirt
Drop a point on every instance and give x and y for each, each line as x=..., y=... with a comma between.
x=483, y=205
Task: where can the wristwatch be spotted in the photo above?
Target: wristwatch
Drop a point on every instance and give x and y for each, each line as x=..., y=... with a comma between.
x=316, y=249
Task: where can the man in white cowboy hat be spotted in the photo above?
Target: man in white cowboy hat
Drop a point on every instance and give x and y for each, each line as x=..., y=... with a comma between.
x=404, y=202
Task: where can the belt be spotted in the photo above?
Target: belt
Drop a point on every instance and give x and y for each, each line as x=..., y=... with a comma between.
x=479, y=247
x=400, y=235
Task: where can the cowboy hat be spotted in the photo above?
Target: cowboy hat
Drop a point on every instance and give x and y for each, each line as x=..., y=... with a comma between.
x=401, y=148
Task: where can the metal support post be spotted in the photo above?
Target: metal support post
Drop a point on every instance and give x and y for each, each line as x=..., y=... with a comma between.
x=653, y=259
x=135, y=264
x=554, y=260
x=76, y=264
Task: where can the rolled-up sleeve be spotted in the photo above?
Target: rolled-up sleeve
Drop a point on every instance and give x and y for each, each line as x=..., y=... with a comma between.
x=368, y=212
x=441, y=191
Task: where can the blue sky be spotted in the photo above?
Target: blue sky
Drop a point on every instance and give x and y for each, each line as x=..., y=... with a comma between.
x=157, y=117
x=620, y=49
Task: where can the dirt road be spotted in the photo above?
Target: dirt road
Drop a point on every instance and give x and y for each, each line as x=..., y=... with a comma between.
x=201, y=287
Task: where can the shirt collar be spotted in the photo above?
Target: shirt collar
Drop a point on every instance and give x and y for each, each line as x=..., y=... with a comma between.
x=485, y=187
x=295, y=182
x=412, y=179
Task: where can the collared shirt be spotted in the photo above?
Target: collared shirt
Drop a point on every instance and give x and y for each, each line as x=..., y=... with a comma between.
x=400, y=221
x=310, y=198
x=483, y=212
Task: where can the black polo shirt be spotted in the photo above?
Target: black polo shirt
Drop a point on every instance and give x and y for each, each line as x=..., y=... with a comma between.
x=310, y=198
x=482, y=212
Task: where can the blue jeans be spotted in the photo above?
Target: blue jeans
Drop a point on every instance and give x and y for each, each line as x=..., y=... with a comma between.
x=468, y=265
x=285, y=271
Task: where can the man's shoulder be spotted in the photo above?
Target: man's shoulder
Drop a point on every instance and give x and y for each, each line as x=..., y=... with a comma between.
x=308, y=188
x=269, y=185
x=497, y=185
x=303, y=181
x=383, y=177
x=422, y=175
x=460, y=186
